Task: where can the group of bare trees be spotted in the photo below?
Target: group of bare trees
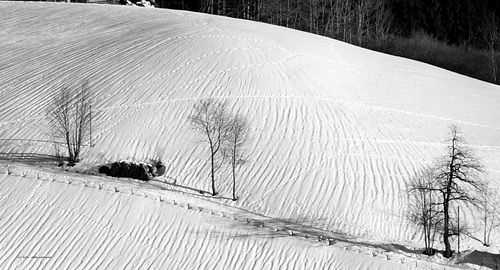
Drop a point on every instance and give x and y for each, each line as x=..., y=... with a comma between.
x=364, y=21
x=225, y=134
x=69, y=116
x=492, y=34
x=353, y=21
x=423, y=207
x=489, y=205
x=436, y=193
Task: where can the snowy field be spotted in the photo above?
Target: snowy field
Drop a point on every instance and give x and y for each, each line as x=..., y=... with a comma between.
x=337, y=131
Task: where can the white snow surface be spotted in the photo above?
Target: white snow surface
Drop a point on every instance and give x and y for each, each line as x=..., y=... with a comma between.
x=336, y=132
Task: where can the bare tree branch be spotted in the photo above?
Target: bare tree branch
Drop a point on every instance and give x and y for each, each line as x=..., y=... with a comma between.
x=238, y=137
x=211, y=118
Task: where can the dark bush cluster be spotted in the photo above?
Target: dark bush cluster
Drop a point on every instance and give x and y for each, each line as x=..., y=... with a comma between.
x=139, y=171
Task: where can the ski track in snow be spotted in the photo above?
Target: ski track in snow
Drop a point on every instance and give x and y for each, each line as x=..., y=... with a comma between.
x=336, y=130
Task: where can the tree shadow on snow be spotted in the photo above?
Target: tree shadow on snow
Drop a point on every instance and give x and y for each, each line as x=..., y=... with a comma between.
x=243, y=228
x=239, y=234
x=278, y=228
x=174, y=186
x=309, y=230
x=482, y=259
x=29, y=158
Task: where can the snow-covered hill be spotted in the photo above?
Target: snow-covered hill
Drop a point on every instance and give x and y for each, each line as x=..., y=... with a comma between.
x=56, y=225
x=337, y=130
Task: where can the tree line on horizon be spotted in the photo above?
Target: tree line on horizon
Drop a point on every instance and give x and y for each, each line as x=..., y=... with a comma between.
x=356, y=21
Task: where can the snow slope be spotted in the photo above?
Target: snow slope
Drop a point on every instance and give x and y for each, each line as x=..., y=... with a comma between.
x=336, y=130
x=82, y=227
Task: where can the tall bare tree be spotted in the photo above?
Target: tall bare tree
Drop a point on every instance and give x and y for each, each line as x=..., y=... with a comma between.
x=383, y=22
x=238, y=137
x=452, y=179
x=457, y=181
x=492, y=34
x=211, y=118
x=424, y=210
x=69, y=116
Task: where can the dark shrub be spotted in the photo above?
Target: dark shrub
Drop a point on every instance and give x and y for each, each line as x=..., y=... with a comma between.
x=144, y=172
x=132, y=170
x=115, y=170
x=104, y=169
x=124, y=170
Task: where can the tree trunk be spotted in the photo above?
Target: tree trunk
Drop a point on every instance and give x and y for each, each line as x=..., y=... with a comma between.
x=446, y=232
x=493, y=35
x=234, y=178
x=288, y=13
x=425, y=223
x=493, y=63
x=360, y=23
x=212, y=168
x=70, y=148
x=345, y=14
x=446, y=202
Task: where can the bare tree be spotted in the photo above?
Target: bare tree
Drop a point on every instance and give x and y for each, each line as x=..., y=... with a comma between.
x=384, y=22
x=492, y=34
x=424, y=210
x=238, y=136
x=211, y=118
x=490, y=213
x=453, y=179
x=361, y=10
x=457, y=180
x=69, y=116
